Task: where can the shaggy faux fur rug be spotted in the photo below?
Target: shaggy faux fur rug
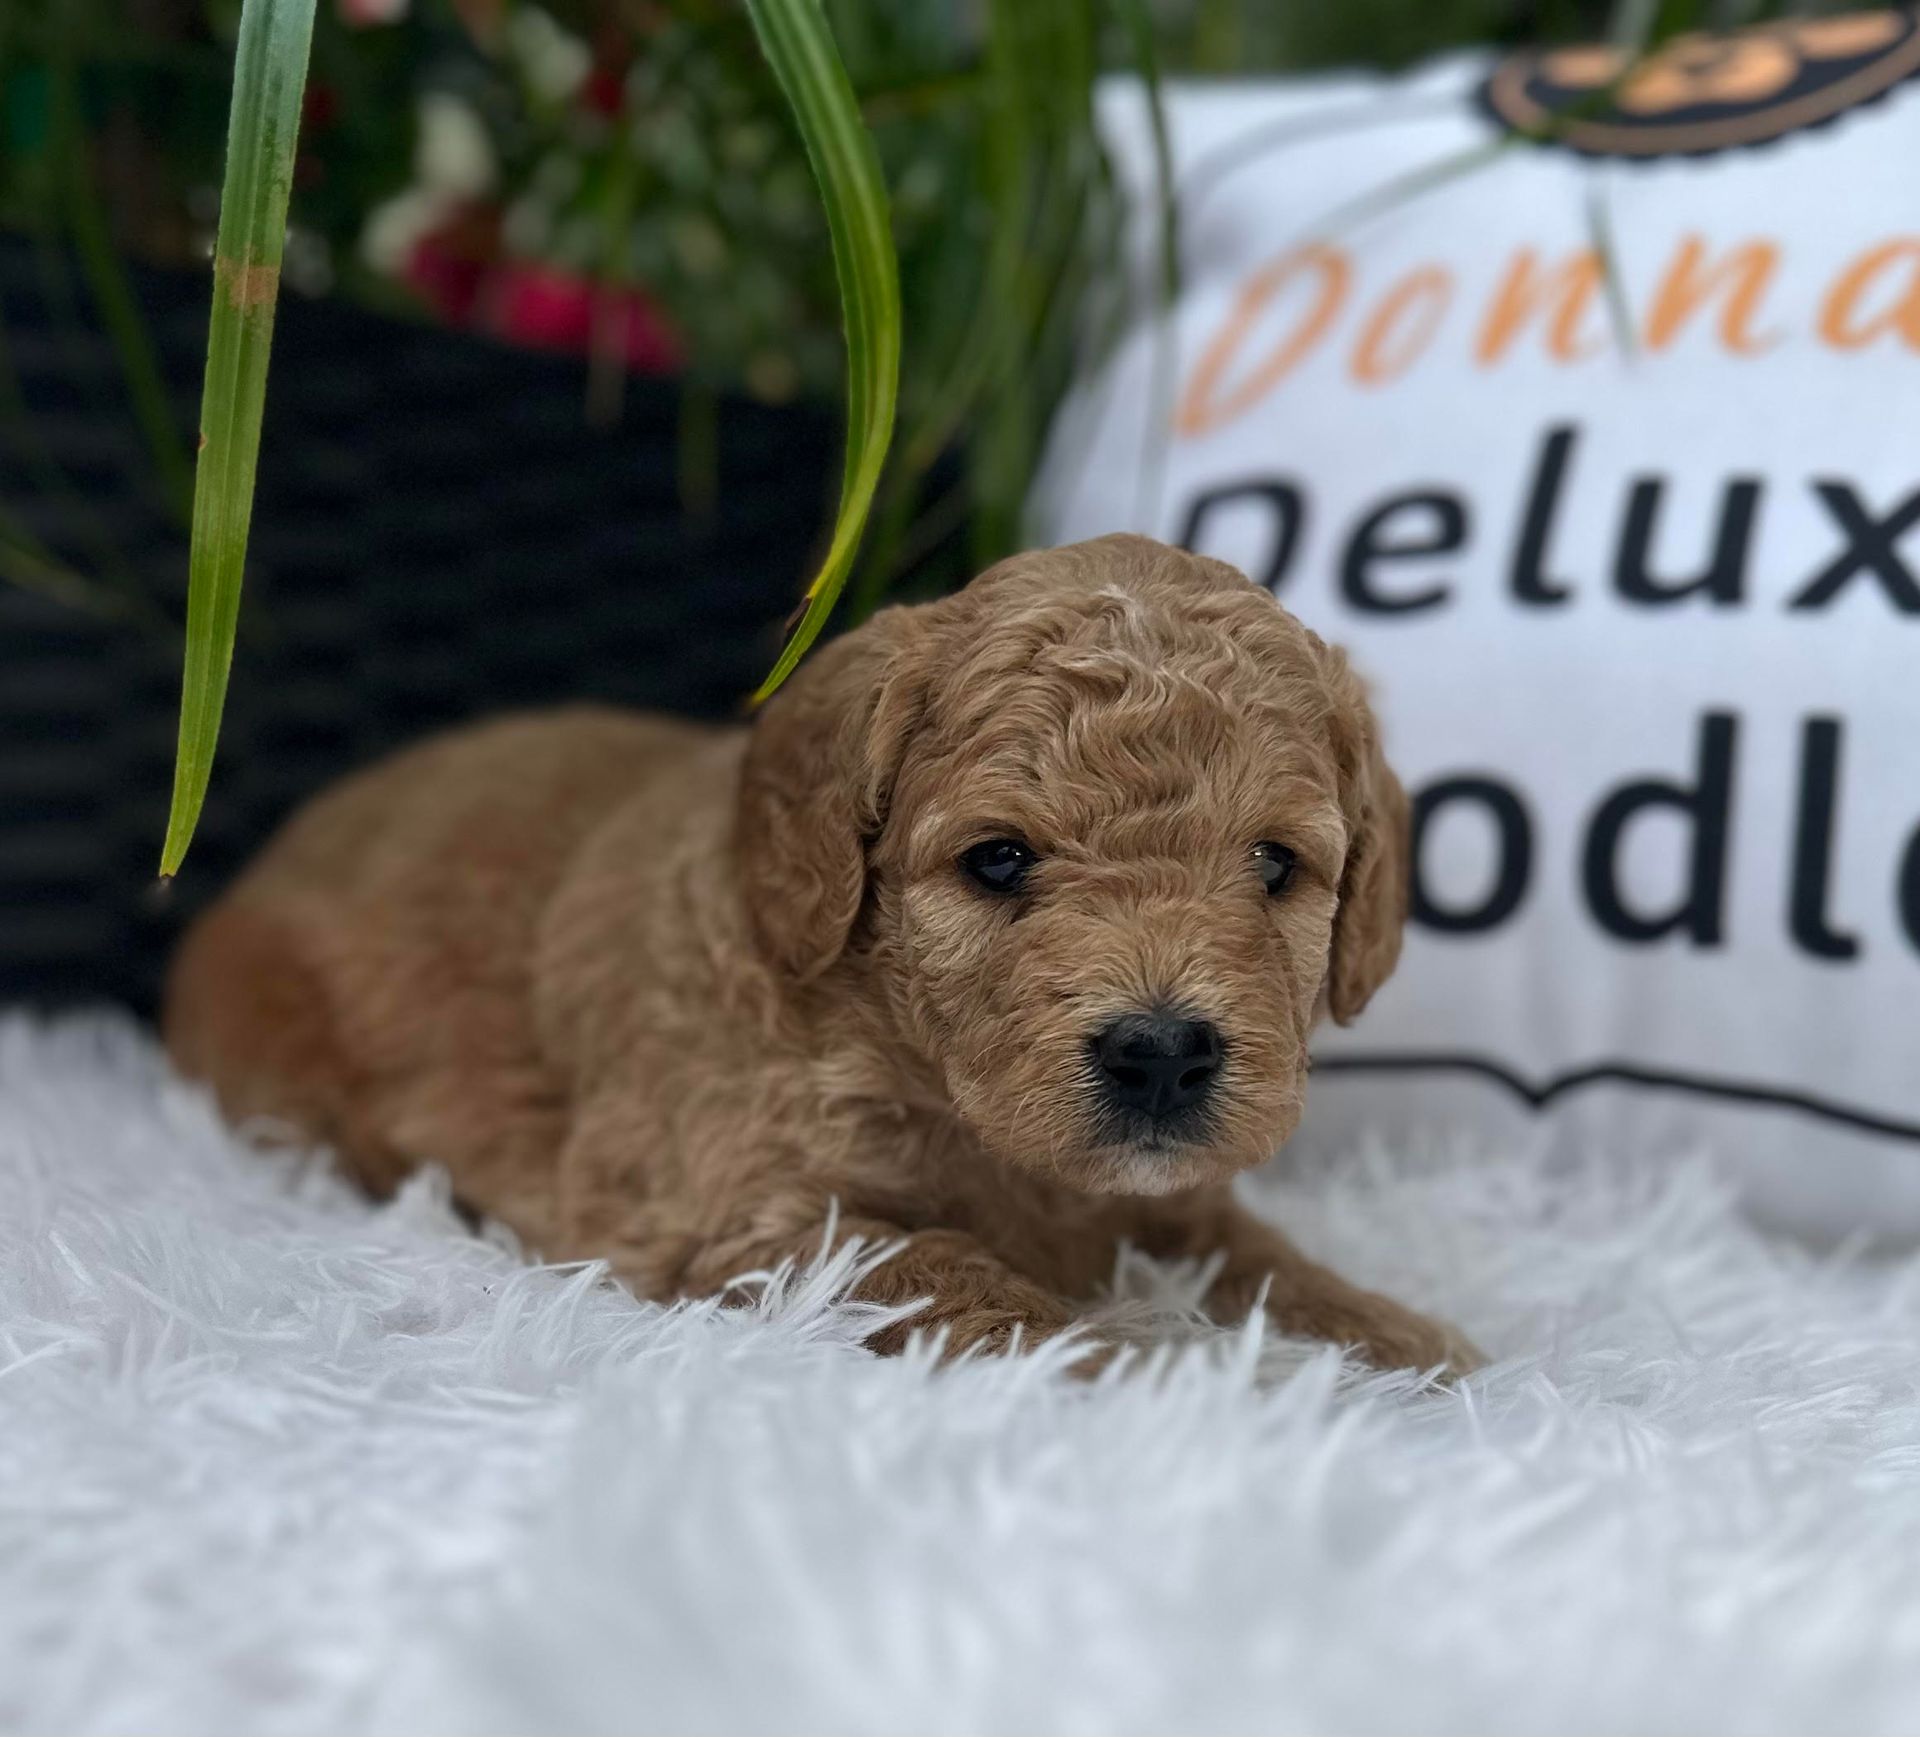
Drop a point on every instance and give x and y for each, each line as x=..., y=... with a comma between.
x=274, y=1460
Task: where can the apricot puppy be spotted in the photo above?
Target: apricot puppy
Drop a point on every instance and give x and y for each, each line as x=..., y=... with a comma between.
x=1001, y=932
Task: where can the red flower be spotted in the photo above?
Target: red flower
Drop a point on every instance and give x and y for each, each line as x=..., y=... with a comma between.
x=364, y=12
x=546, y=309
x=457, y=272
x=318, y=107
x=604, y=91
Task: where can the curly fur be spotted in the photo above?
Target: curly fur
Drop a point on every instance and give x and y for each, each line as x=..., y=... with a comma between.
x=684, y=998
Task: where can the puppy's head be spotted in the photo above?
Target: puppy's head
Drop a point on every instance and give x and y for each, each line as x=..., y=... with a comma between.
x=1099, y=838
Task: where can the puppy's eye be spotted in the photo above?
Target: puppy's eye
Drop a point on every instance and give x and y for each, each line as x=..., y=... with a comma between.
x=1276, y=865
x=999, y=865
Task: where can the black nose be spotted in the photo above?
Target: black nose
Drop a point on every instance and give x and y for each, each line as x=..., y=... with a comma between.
x=1157, y=1064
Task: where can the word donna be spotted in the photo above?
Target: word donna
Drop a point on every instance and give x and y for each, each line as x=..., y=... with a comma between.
x=1293, y=306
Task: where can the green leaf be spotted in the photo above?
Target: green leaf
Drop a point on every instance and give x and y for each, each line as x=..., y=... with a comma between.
x=270, y=73
x=800, y=49
x=1146, y=62
x=1151, y=488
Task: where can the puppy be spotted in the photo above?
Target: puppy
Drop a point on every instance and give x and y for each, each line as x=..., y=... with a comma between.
x=999, y=935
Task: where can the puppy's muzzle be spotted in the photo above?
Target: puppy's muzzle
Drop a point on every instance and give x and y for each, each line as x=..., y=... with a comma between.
x=1159, y=1067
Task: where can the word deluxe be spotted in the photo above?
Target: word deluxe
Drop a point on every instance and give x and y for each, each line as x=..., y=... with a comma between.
x=1429, y=523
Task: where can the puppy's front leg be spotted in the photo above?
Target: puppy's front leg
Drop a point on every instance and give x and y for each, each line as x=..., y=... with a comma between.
x=972, y=1295
x=1308, y=1301
x=689, y=1247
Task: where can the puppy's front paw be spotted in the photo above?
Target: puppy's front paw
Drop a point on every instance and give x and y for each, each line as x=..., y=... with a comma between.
x=977, y=1332
x=1393, y=1337
x=1389, y=1335
x=993, y=1334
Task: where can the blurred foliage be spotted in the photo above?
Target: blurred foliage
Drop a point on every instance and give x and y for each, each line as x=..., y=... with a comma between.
x=643, y=145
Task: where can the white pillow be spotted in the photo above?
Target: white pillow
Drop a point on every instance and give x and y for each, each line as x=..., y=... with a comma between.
x=1643, y=623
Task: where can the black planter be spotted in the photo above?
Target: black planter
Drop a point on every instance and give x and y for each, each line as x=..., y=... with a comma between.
x=438, y=533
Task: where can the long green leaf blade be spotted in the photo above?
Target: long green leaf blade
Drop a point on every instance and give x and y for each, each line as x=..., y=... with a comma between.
x=799, y=47
x=270, y=73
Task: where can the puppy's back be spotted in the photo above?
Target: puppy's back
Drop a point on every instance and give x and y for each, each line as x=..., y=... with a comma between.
x=367, y=979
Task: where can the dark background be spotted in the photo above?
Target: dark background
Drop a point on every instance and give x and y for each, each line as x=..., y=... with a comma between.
x=438, y=533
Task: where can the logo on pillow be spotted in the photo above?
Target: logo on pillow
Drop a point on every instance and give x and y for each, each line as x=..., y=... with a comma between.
x=1700, y=94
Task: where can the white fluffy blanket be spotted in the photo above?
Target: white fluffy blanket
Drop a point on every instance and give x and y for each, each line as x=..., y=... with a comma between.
x=274, y=1460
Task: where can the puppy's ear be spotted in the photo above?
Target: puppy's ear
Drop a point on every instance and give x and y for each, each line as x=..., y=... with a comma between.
x=818, y=776
x=1374, y=881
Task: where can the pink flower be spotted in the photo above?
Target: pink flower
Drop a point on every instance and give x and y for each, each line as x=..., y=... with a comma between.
x=546, y=309
x=535, y=305
x=360, y=13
